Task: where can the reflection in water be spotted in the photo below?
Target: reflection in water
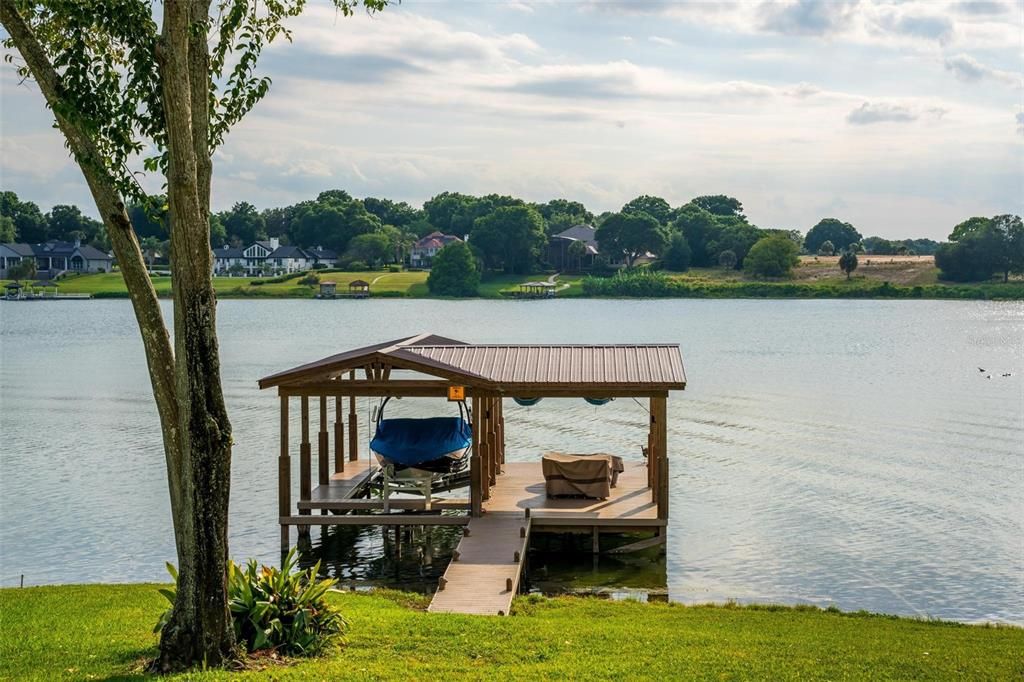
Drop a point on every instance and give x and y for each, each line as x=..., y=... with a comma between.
x=412, y=558
x=409, y=558
x=831, y=452
x=564, y=563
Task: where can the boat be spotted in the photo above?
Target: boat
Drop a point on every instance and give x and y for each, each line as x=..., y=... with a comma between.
x=421, y=456
x=435, y=444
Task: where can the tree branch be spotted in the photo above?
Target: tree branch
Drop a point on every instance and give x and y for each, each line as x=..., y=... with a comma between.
x=155, y=339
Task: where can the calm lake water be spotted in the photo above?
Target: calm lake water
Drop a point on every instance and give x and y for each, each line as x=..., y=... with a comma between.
x=831, y=452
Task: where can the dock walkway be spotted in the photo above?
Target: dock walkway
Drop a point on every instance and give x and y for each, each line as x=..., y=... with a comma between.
x=484, y=577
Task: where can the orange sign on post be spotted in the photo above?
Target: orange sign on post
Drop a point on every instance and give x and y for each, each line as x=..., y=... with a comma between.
x=456, y=393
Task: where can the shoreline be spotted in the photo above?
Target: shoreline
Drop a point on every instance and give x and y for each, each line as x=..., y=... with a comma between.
x=105, y=631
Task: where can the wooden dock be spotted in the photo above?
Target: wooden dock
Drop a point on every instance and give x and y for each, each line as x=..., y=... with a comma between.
x=484, y=577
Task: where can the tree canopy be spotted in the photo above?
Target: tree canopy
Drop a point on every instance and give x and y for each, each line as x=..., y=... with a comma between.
x=510, y=238
x=561, y=214
x=677, y=255
x=632, y=235
x=656, y=207
x=720, y=204
x=29, y=224
x=980, y=247
x=830, y=230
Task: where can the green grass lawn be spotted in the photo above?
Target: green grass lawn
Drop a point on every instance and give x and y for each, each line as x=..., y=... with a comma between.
x=388, y=283
x=501, y=286
x=104, y=632
x=811, y=279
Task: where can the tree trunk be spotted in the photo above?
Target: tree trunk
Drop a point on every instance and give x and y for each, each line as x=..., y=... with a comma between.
x=200, y=629
x=186, y=382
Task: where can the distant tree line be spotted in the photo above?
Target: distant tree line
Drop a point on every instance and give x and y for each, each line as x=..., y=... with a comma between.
x=508, y=234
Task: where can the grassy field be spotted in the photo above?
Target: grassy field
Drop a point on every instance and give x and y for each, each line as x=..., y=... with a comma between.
x=104, y=632
x=408, y=284
x=387, y=283
x=815, y=276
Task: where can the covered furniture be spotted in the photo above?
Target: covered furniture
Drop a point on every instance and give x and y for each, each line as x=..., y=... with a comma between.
x=587, y=475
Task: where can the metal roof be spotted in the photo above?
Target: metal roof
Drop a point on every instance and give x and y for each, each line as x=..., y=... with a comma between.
x=509, y=366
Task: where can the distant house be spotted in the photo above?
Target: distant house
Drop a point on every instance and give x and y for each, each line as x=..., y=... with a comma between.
x=228, y=259
x=270, y=255
x=424, y=250
x=55, y=257
x=559, y=256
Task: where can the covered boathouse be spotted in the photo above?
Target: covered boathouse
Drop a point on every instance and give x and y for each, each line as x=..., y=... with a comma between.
x=506, y=499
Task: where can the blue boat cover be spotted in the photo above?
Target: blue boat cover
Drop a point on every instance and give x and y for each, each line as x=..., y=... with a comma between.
x=415, y=441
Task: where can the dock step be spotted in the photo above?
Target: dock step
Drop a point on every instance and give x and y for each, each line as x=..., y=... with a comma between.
x=483, y=576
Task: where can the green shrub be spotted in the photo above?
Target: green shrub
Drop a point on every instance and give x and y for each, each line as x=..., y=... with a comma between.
x=277, y=608
x=772, y=256
x=310, y=280
x=277, y=280
x=394, y=268
x=454, y=272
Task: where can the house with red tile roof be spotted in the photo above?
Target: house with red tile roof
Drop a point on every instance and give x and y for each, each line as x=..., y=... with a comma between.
x=423, y=252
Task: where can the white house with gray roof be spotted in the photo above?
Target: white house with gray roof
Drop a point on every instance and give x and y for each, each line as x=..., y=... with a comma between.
x=270, y=256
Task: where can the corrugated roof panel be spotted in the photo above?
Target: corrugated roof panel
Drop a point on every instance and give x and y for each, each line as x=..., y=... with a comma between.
x=509, y=365
x=561, y=364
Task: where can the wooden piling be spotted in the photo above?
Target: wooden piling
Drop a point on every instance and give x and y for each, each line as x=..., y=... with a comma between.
x=305, y=473
x=353, y=425
x=323, y=459
x=284, y=477
x=339, y=437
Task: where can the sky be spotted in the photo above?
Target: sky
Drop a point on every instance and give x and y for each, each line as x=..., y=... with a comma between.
x=901, y=117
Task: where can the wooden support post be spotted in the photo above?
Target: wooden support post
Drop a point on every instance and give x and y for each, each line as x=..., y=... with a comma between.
x=339, y=437
x=323, y=458
x=501, y=433
x=596, y=540
x=486, y=436
x=353, y=425
x=493, y=439
x=650, y=456
x=284, y=477
x=476, y=479
x=659, y=412
x=305, y=474
x=652, y=453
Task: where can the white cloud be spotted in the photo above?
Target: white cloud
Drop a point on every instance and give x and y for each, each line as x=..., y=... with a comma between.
x=970, y=70
x=405, y=106
x=881, y=112
x=914, y=24
x=663, y=41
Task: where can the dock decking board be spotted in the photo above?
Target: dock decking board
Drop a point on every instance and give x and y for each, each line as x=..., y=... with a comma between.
x=477, y=582
x=521, y=486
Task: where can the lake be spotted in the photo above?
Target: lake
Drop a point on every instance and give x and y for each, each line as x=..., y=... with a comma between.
x=844, y=453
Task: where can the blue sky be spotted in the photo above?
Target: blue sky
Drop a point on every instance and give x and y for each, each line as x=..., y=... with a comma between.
x=901, y=117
